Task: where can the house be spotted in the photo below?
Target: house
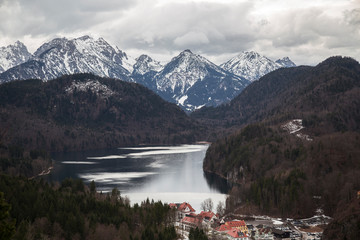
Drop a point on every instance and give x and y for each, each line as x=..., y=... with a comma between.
x=239, y=225
x=208, y=216
x=189, y=222
x=182, y=209
x=263, y=234
x=236, y=234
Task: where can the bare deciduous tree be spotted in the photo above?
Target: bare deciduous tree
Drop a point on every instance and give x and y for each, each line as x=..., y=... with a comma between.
x=207, y=205
x=220, y=208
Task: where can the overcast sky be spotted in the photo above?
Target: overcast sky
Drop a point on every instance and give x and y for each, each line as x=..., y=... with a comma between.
x=308, y=31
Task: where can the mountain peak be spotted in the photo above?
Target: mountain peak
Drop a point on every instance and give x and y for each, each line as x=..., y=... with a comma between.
x=84, y=38
x=83, y=54
x=19, y=44
x=251, y=65
x=145, y=64
x=192, y=81
x=187, y=51
x=285, y=62
x=250, y=54
x=13, y=55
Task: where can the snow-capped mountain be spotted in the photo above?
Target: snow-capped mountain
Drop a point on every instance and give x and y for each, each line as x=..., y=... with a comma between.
x=186, y=72
x=80, y=55
x=189, y=80
x=251, y=65
x=145, y=64
x=13, y=55
x=144, y=71
x=285, y=62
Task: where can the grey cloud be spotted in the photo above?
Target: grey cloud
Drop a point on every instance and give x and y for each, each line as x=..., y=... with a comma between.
x=352, y=17
x=200, y=26
x=45, y=17
x=216, y=29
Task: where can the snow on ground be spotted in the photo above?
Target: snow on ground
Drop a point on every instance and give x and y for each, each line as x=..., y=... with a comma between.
x=93, y=85
x=182, y=100
x=295, y=126
x=277, y=222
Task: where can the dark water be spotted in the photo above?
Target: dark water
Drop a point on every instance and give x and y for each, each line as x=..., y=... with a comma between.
x=170, y=174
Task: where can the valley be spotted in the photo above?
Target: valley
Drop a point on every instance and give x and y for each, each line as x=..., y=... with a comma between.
x=285, y=138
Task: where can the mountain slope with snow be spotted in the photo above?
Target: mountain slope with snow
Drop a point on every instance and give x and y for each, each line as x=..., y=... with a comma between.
x=189, y=80
x=80, y=55
x=285, y=62
x=13, y=55
x=192, y=81
x=144, y=71
x=251, y=65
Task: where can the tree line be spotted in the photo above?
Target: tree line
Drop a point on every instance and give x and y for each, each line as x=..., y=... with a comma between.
x=35, y=209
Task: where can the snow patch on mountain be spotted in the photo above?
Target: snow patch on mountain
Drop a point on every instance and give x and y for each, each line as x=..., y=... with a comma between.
x=182, y=100
x=294, y=126
x=94, y=86
x=192, y=81
x=252, y=66
x=145, y=64
x=80, y=55
x=13, y=55
x=285, y=62
x=182, y=72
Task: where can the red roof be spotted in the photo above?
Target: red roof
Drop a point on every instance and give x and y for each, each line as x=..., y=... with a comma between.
x=236, y=234
x=185, y=205
x=208, y=215
x=235, y=224
x=223, y=228
x=191, y=220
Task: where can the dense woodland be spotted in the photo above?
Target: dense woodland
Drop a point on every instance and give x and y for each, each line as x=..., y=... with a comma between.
x=35, y=209
x=82, y=111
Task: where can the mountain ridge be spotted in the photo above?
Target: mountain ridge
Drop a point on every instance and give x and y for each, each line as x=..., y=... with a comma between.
x=189, y=80
x=189, y=71
x=251, y=65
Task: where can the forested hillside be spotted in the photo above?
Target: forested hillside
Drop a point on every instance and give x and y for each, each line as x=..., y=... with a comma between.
x=326, y=94
x=82, y=111
x=301, y=150
x=70, y=210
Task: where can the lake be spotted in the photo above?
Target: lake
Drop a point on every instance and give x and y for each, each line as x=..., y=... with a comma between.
x=166, y=173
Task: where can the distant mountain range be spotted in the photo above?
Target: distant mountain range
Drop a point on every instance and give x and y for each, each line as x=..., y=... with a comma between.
x=189, y=80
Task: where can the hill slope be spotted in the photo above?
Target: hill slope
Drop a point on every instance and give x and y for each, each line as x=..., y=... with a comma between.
x=303, y=139
x=83, y=111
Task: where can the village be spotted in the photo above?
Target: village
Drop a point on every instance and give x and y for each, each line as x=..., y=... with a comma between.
x=241, y=227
